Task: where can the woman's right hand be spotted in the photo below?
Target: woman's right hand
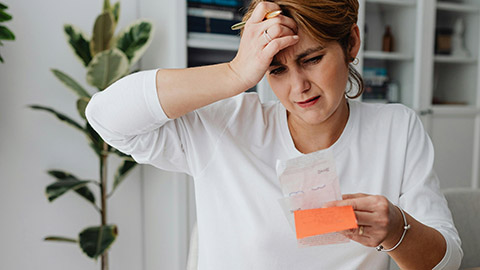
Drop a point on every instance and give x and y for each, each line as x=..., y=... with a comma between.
x=256, y=51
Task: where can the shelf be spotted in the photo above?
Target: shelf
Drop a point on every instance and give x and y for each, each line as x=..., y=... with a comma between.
x=455, y=110
x=392, y=2
x=378, y=55
x=457, y=7
x=454, y=59
x=213, y=41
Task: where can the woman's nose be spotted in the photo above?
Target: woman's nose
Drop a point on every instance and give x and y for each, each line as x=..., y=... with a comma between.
x=300, y=82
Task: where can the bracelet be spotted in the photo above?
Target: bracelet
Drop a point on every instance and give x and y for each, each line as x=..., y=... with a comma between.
x=406, y=227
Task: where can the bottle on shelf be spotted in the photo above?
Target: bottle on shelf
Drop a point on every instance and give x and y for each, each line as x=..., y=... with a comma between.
x=387, y=44
x=393, y=92
x=458, y=42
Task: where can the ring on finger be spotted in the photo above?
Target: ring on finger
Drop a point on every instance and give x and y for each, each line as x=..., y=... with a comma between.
x=360, y=230
x=267, y=37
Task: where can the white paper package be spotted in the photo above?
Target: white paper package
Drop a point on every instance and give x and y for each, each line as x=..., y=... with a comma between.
x=308, y=182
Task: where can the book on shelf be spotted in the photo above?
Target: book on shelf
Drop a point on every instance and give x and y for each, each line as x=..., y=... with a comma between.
x=214, y=16
x=375, y=80
x=220, y=4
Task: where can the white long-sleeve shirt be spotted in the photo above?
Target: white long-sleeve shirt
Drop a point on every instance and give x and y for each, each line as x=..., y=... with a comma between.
x=231, y=148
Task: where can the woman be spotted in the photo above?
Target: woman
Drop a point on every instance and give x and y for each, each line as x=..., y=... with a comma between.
x=199, y=121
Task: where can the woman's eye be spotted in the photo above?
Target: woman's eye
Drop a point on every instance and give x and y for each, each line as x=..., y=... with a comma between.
x=277, y=71
x=314, y=60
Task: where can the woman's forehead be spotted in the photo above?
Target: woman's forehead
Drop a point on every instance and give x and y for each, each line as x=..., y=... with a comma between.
x=305, y=46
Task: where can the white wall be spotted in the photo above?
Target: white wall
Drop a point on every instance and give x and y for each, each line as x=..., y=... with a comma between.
x=169, y=211
x=32, y=142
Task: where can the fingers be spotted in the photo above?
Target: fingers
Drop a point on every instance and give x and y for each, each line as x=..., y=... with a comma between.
x=280, y=20
x=346, y=200
x=353, y=196
x=282, y=36
x=365, y=218
x=261, y=40
x=277, y=31
x=355, y=203
x=376, y=217
x=278, y=44
x=367, y=238
x=361, y=202
x=261, y=10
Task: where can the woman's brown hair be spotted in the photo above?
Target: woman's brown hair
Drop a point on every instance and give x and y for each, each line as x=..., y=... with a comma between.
x=324, y=21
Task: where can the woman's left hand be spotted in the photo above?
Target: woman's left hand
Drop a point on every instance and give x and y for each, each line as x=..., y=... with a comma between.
x=379, y=221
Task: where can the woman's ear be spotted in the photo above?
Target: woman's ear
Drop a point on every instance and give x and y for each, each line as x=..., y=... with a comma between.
x=354, y=42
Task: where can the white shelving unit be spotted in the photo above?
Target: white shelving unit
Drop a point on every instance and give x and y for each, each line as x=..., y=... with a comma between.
x=455, y=122
x=427, y=79
x=443, y=88
x=401, y=17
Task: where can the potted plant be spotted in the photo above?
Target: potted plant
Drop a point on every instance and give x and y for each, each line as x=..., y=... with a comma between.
x=107, y=57
x=5, y=33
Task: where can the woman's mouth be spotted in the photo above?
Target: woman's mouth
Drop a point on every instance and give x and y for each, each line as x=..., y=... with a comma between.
x=309, y=102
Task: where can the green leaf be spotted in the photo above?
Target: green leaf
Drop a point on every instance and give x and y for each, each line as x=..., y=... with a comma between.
x=96, y=142
x=71, y=83
x=60, y=239
x=82, y=105
x=122, y=172
x=116, y=12
x=135, y=39
x=4, y=16
x=102, y=33
x=120, y=154
x=78, y=42
x=6, y=34
x=84, y=191
x=94, y=241
x=60, y=116
x=59, y=188
x=107, y=67
x=106, y=5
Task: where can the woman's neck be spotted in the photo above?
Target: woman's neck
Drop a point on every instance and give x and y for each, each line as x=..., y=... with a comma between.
x=310, y=138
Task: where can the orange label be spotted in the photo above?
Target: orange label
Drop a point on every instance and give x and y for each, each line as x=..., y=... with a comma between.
x=324, y=220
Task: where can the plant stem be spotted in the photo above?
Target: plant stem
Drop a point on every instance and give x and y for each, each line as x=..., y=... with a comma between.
x=103, y=190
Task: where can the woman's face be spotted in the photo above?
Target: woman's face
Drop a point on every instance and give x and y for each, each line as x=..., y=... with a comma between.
x=309, y=79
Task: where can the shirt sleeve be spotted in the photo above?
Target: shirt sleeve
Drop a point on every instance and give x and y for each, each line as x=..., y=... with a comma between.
x=128, y=116
x=421, y=196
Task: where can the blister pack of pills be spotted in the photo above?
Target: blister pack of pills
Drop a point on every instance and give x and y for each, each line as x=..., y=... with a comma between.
x=308, y=182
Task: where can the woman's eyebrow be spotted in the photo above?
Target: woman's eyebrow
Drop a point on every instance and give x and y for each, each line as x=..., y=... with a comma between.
x=308, y=52
x=300, y=56
x=275, y=62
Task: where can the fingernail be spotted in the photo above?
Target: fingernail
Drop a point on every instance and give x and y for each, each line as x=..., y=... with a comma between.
x=295, y=37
